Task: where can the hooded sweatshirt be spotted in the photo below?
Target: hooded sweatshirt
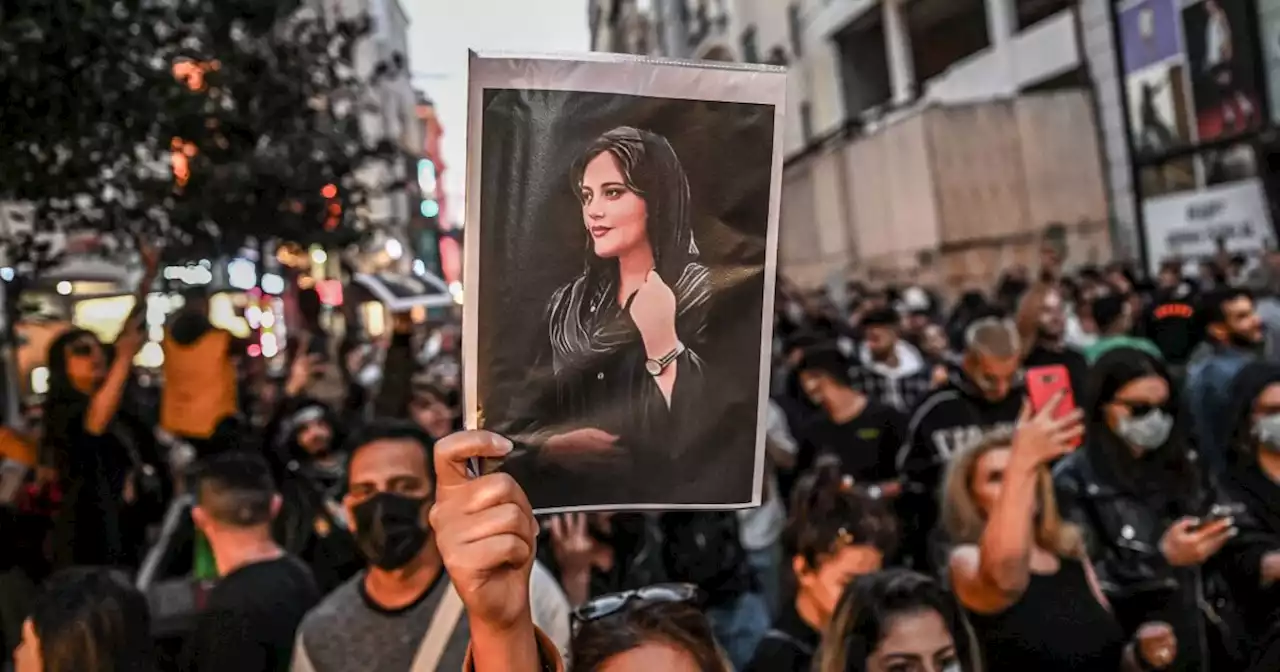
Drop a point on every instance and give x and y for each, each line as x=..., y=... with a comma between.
x=899, y=387
x=951, y=418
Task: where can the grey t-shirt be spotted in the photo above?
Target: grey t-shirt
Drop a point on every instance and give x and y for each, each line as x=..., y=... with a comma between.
x=347, y=632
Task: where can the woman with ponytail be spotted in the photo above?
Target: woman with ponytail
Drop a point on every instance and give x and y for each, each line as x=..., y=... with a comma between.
x=836, y=532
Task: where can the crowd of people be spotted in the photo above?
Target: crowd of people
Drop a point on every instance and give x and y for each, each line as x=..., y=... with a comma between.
x=922, y=511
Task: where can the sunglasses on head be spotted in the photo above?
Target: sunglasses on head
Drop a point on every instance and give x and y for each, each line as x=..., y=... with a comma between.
x=659, y=593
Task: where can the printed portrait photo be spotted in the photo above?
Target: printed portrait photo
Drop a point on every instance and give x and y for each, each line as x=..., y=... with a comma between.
x=621, y=245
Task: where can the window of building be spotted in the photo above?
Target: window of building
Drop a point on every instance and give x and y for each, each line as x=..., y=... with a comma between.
x=806, y=121
x=1031, y=12
x=795, y=29
x=750, y=51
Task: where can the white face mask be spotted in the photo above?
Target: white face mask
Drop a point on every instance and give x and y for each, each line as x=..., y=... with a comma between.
x=1267, y=431
x=1147, y=432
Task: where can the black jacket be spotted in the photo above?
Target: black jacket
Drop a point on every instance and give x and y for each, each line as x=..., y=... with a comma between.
x=1123, y=527
x=949, y=419
x=1259, y=535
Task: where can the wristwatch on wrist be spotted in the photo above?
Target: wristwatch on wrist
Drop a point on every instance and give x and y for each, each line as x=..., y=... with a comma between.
x=655, y=367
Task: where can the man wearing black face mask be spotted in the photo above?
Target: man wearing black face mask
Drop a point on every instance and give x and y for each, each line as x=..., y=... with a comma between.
x=401, y=613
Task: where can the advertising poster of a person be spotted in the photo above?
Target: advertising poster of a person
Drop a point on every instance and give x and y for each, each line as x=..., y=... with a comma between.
x=621, y=229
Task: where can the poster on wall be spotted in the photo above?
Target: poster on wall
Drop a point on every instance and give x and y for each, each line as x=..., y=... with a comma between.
x=1269, y=43
x=1155, y=79
x=1188, y=225
x=1221, y=50
x=621, y=251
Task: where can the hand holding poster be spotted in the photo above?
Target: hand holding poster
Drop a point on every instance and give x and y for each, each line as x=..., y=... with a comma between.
x=621, y=241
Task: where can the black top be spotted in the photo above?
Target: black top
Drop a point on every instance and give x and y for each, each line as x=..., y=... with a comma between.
x=251, y=618
x=1057, y=625
x=866, y=445
x=1075, y=362
x=93, y=526
x=790, y=645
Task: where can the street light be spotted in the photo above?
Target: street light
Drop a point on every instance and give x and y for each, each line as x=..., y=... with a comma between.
x=64, y=288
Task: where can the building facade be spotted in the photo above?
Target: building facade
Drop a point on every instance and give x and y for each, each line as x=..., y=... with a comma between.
x=1188, y=94
x=890, y=105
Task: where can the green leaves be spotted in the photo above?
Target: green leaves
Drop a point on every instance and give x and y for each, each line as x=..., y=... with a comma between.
x=262, y=102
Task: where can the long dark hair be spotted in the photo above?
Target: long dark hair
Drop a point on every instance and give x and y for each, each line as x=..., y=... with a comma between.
x=1246, y=387
x=676, y=624
x=92, y=620
x=1166, y=468
x=870, y=603
x=651, y=169
x=63, y=403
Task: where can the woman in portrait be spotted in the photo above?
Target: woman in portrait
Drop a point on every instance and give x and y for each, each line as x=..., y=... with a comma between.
x=624, y=334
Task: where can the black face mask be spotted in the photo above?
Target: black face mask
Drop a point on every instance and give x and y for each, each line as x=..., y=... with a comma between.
x=389, y=529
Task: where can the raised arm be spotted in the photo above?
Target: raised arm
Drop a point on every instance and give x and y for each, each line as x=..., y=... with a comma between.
x=993, y=575
x=106, y=400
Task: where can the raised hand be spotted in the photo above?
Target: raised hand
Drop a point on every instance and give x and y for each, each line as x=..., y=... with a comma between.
x=1039, y=438
x=485, y=531
x=131, y=338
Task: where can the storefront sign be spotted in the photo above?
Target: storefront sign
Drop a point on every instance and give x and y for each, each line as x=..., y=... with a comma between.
x=1188, y=225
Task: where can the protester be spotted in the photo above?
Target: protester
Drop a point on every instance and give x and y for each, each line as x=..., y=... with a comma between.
x=1137, y=492
x=1020, y=571
x=251, y=616
x=863, y=434
x=657, y=627
x=404, y=607
x=1114, y=315
x=835, y=533
x=892, y=372
x=705, y=549
x=305, y=443
x=1172, y=321
x=1042, y=330
x=87, y=620
x=485, y=535
x=200, y=392
x=1233, y=338
x=761, y=528
x=1252, y=479
x=95, y=449
x=980, y=396
x=895, y=620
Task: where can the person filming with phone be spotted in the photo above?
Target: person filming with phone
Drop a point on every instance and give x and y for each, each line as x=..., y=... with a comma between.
x=1022, y=572
x=1147, y=510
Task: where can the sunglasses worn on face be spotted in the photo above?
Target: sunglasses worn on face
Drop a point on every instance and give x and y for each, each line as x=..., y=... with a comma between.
x=81, y=349
x=659, y=593
x=1141, y=408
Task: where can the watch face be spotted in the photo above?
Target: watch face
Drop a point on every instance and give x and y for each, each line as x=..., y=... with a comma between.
x=653, y=367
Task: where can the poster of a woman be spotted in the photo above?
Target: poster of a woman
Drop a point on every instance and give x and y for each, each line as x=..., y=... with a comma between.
x=620, y=251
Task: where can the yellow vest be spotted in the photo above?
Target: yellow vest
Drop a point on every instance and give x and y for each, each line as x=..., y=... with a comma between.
x=199, y=385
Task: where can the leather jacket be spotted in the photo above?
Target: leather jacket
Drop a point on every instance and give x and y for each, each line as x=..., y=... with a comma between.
x=1122, y=529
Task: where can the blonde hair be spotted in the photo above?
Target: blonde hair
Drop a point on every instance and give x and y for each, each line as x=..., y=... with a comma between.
x=964, y=521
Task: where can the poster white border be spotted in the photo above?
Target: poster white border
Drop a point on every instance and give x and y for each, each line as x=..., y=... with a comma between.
x=626, y=75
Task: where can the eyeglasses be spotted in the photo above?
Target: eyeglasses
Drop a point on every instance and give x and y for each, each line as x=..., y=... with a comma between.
x=659, y=593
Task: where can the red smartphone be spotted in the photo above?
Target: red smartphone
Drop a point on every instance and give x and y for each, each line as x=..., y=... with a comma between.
x=1046, y=382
